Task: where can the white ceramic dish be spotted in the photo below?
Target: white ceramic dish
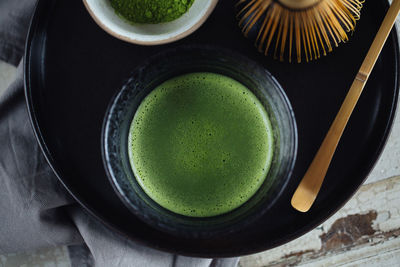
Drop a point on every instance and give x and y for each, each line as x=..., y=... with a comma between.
x=149, y=34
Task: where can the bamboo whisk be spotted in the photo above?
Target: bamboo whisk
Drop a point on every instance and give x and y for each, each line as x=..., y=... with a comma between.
x=299, y=28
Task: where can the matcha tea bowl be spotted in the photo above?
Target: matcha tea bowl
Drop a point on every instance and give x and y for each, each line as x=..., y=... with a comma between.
x=150, y=22
x=199, y=142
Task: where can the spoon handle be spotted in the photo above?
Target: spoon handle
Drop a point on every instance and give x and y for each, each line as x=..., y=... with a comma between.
x=308, y=189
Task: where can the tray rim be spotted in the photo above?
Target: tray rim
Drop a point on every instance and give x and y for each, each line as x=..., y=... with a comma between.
x=33, y=26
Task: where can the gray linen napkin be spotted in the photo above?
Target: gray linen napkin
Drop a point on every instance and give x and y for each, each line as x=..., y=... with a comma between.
x=36, y=211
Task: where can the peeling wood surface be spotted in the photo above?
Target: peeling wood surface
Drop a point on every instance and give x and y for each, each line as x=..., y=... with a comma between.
x=365, y=232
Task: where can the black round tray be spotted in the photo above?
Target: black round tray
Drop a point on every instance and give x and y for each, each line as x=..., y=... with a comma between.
x=73, y=68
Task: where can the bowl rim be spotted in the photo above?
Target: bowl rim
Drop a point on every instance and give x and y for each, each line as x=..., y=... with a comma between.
x=171, y=39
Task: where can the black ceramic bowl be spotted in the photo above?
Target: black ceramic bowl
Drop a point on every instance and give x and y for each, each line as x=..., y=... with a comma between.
x=176, y=62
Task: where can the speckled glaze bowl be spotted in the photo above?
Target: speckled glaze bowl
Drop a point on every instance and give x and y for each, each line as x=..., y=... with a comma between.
x=149, y=34
x=176, y=62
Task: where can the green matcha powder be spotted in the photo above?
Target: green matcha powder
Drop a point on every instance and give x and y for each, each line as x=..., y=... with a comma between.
x=151, y=11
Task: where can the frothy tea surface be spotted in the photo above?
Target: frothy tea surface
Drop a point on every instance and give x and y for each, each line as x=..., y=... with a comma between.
x=200, y=144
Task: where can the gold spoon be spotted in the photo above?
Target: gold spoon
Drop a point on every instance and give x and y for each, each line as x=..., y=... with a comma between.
x=308, y=189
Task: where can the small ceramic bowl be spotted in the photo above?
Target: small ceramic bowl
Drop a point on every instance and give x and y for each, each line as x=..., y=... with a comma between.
x=149, y=34
x=172, y=63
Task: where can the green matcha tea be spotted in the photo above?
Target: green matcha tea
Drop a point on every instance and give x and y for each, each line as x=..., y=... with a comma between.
x=200, y=144
x=151, y=11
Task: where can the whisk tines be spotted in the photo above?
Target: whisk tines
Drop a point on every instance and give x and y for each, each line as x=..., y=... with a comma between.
x=298, y=32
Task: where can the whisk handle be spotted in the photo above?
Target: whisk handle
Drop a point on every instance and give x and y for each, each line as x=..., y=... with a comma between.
x=299, y=4
x=308, y=189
